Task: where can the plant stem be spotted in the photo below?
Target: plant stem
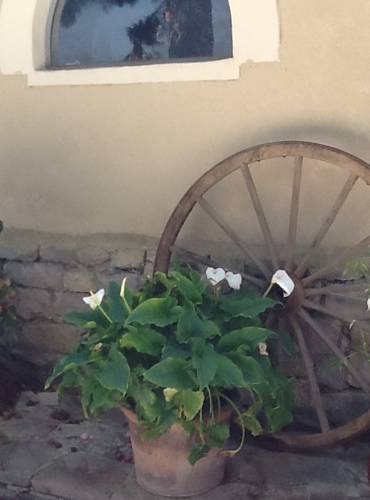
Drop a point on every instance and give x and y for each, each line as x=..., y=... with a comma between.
x=268, y=289
x=236, y=409
x=218, y=404
x=129, y=310
x=211, y=409
x=201, y=435
x=105, y=314
x=252, y=395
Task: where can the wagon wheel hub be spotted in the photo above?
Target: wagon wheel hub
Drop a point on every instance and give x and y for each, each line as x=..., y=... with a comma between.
x=296, y=299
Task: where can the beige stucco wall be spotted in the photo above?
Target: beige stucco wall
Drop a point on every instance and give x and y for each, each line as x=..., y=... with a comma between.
x=118, y=158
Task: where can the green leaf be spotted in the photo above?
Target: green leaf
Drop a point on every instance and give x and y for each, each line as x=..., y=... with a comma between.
x=251, y=370
x=217, y=435
x=86, y=319
x=278, y=398
x=115, y=373
x=239, y=322
x=99, y=399
x=147, y=405
x=143, y=339
x=171, y=372
x=70, y=380
x=228, y=375
x=204, y=360
x=278, y=417
x=280, y=413
x=117, y=310
x=250, y=420
x=162, y=425
x=164, y=280
x=246, y=303
x=357, y=269
x=158, y=312
x=287, y=343
x=68, y=363
x=159, y=286
x=189, y=426
x=87, y=388
x=250, y=336
x=190, y=402
x=175, y=350
x=191, y=325
x=198, y=451
x=187, y=288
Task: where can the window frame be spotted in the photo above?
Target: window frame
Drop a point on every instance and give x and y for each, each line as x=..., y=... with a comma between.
x=25, y=47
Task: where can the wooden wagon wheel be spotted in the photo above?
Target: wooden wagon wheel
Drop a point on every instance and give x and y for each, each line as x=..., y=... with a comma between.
x=301, y=309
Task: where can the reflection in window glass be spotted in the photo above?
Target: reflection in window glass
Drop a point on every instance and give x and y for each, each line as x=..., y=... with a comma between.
x=91, y=33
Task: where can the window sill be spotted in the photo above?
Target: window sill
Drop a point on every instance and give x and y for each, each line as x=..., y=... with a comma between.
x=226, y=69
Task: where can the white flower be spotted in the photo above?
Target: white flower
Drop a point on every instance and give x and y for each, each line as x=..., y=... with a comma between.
x=95, y=299
x=215, y=275
x=234, y=280
x=97, y=347
x=262, y=347
x=122, y=292
x=284, y=281
x=169, y=393
x=368, y=304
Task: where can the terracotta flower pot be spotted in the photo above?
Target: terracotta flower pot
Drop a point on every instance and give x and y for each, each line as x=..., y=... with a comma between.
x=162, y=465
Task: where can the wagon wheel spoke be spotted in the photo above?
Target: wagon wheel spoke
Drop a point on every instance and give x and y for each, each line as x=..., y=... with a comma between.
x=190, y=256
x=328, y=222
x=337, y=289
x=218, y=219
x=294, y=210
x=341, y=259
x=307, y=318
x=314, y=386
x=308, y=304
x=258, y=208
x=337, y=295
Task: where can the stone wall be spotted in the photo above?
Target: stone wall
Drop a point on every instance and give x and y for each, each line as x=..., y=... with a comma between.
x=51, y=274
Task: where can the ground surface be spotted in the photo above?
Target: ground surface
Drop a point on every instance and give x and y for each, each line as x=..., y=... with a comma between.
x=48, y=451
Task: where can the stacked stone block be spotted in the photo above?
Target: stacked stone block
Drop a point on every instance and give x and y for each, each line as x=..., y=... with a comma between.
x=51, y=274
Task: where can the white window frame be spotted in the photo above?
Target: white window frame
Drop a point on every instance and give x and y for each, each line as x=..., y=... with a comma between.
x=25, y=34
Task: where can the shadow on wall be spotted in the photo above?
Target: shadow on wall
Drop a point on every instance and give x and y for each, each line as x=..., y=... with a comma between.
x=339, y=137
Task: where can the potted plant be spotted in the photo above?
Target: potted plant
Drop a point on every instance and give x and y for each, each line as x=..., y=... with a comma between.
x=174, y=356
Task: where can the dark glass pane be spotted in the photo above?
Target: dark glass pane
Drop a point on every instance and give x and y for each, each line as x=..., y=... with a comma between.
x=92, y=33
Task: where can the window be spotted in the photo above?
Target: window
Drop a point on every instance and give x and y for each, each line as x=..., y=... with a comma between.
x=93, y=42
x=93, y=33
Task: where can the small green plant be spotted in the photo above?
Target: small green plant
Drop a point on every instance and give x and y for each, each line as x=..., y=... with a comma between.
x=178, y=351
x=358, y=270
x=7, y=309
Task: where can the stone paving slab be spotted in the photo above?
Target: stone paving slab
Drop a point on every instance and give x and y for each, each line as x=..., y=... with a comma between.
x=82, y=476
x=19, y=461
x=48, y=452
